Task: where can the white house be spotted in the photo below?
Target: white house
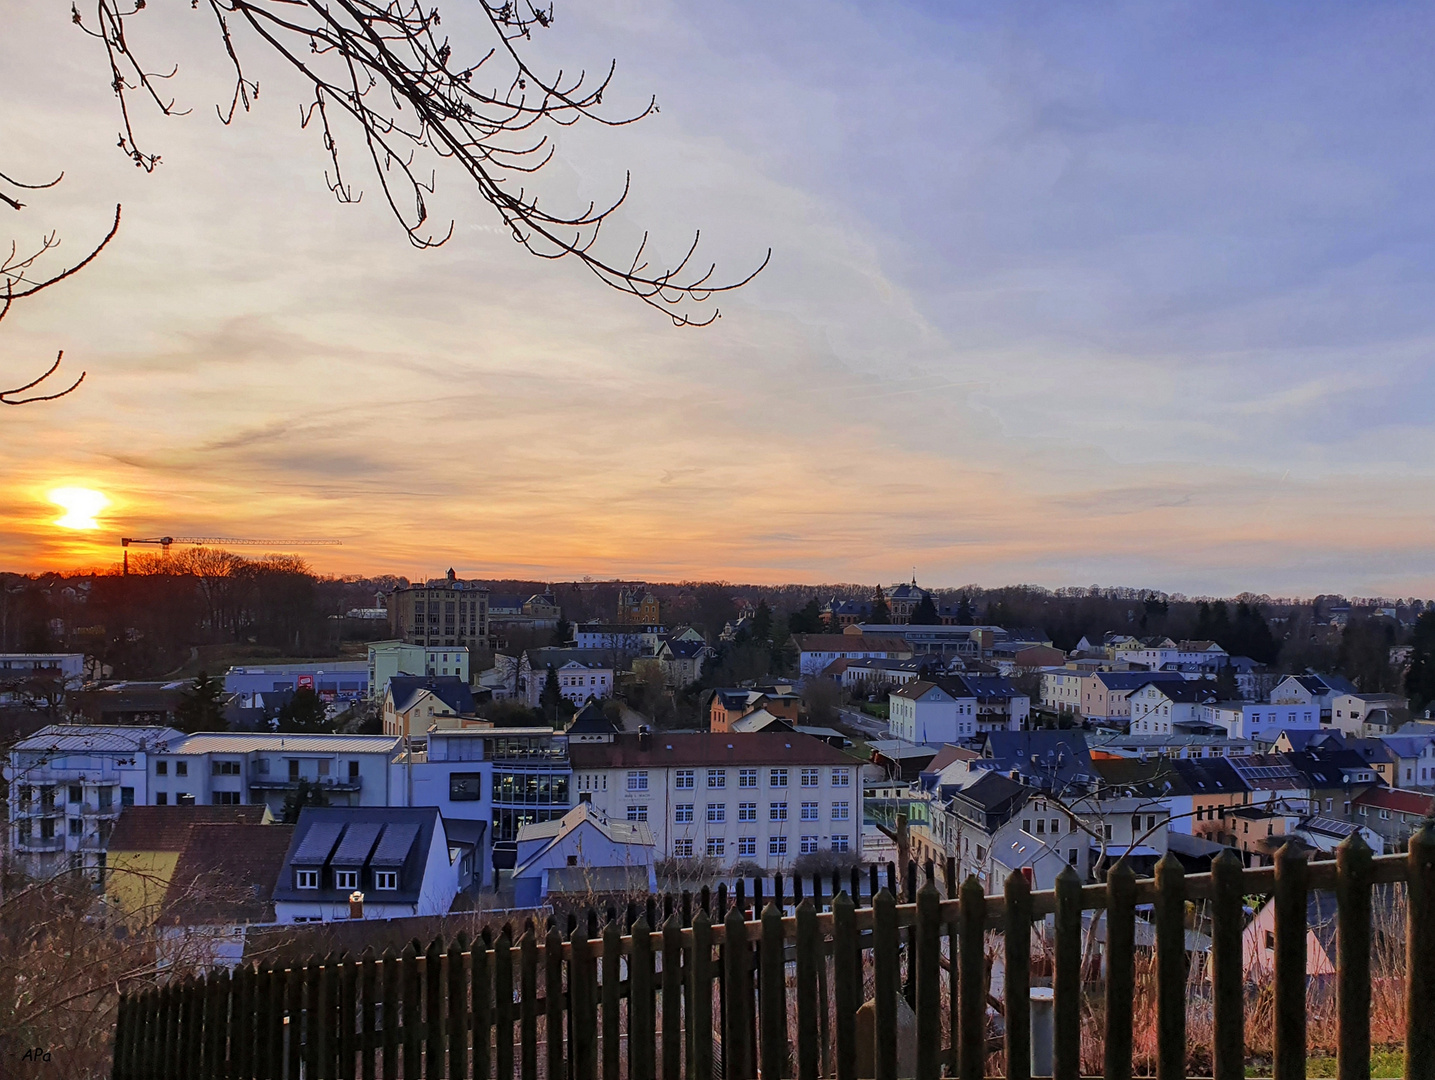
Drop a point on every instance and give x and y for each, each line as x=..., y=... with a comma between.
x=1157, y=706
x=1366, y=715
x=1318, y=690
x=19, y=671
x=816, y=651
x=1260, y=720
x=761, y=797
x=583, y=851
x=581, y=674
x=924, y=712
x=390, y=658
x=396, y=857
x=1061, y=689
x=1157, y=654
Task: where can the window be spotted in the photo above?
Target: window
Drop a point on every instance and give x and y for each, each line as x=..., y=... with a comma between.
x=747, y=778
x=306, y=879
x=181, y=768
x=161, y=798
x=840, y=843
x=841, y=810
x=747, y=811
x=224, y=768
x=717, y=847
x=683, y=849
x=76, y=793
x=809, y=811
x=747, y=845
x=77, y=826
x=353, y=770
x=1270, y=941
x=464, y=786
x=717, y=778
x=808, y=845
x=637, y=781
x=777, y=845
x=224, y=798
x=346, y=879
x=1026, y=825
x=127, y=796
x=1040, y=826
x=161, y=768
x=809, y=777
x=386, y=879
x=777, y=811
x=1150, y=821
x=1055, y=825
x=717, y=812
x=777, y=778
x=1071, y=856
x=637, y=813
x=684, y=779
x=683, y=813
x=1135, y=825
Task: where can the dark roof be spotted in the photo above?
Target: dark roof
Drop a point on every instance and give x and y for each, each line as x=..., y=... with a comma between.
x=882, y=643
x=590, y=720
x=542, y=659
x=166, y=828
x=707, y=748
x=684, y=649
x=1135, y=680
x=1329, y=768
x=1305, y=738
x=450, y=689
x=1058, y=757
x=1187, y=691
x=1206, y=776
x=1146, y=778
x=981, y=686
x=329, y=836
x=994, y=793
x=1406, y=802
x=226, y=874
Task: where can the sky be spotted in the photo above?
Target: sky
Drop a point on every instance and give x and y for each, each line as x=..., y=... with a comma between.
x=1059, y=294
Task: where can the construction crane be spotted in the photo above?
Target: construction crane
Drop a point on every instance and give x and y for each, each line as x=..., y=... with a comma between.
x=164, y=543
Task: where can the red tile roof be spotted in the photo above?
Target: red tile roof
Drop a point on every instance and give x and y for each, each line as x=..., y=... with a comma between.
x=226, y=874
x=1406, y=802
x=166, y=828
x=707, y=748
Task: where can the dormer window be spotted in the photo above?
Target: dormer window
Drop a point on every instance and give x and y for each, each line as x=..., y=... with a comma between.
x=306, y=879
x=346, y=879
x=386, y=879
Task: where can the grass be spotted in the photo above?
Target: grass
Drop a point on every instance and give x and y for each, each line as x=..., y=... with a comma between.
x=1384, y=1065
x=875, y=708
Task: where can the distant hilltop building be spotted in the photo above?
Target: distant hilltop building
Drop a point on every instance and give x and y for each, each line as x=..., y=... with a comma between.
x=442, y=613
x=640, y=607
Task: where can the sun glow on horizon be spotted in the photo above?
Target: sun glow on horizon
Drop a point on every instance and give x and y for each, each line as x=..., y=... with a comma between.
x=81, y=506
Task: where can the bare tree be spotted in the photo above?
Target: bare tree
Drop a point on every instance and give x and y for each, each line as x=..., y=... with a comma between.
x=384, y=70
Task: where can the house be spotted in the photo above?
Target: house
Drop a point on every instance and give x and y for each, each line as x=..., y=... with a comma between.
x=1260, y=720
x=1325, y=834
x=1311, y=689
x=1032, y=657
x=37, y=677
x=1043, y=759
x=1393, y=813
x=682, y=660
x=223, y=882
x=1105, y=695
x=639, y=606
x=764, y=797
x=1258, y=941
x=1061, y=690
x=333, y=680
x=760, y=720
x=1000, y=705
x=844, y=613
x=581, y=674
x=67, y=785
x=390, y=658
x=145, y=848
x=1158, y=707
x=1176, y=745
x=583, y=852
x=441, y=613
x=864, y=676
x=1369, y=715
x=899, y=760
x=1258, y=832
x=1410, y=760
x=1163, y=654
x=130, y=703
x=591, y=724
x=412, y=702
x=396, y=857
x=816, y=651
x=903, y=599
x=929, y=712
x=618, y=637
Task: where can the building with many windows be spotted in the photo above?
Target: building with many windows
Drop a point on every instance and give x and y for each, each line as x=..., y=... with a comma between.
x=763, y=797
x=390, y=658
x=441, y=613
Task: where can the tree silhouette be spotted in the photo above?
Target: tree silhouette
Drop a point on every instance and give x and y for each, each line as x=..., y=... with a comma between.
x=200, y=707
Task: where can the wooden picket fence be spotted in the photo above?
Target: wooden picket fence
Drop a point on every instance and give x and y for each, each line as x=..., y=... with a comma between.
x=704, y=990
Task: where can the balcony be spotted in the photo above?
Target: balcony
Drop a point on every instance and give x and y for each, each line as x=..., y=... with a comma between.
x=36, y=843
x=91, y=810
x=35, y=810
x=328, y=783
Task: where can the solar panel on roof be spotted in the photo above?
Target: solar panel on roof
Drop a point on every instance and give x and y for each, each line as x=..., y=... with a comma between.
x=394, y=845
x=358, y=841
x=317, y=843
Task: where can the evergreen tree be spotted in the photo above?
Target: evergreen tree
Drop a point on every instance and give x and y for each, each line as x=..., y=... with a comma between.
x=925, y=613
x=199, y=707
x=762, y=623
x=304, y=714
x=550, y=697
x=306, y=794
x=562, y=633
x=881, y=613
x=1420, y=679
x=807, y=619
x=964, y=611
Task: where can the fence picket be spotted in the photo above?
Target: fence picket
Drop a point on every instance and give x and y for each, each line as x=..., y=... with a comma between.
x=1420, y=955
x=412, y=995
x=348, y=1017
x=1066, y=1056
x=481, y=992
x=1170, y=917
x=972, y=1056
x=528, y=1004
x=927, y=952
x=457, y=1010
x=583, y=1007
x=1120, y=968
x=241, y=1042
x=700, y=997
x=389, y=1036
x=641, y=1030
x=503, y=1004
x=553, y=1001
x=294, y=1013
x=737, y=1039
x=313, y=1023
x=809, y=956
x=772, y=995
x=1352, y=906
x=846, y=982
x=612, y=1020
x=1290, y=930
x=1017, y=949
x=433, y=1009
x=885, y=984
x=672, y=998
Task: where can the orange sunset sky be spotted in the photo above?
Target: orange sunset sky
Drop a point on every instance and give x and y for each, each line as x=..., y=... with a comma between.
x=1032, y=315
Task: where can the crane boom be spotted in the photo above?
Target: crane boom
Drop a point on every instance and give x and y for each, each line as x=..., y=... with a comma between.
x=164, y=542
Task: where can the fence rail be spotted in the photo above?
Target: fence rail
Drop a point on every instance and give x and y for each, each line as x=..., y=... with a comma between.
x=714, y=988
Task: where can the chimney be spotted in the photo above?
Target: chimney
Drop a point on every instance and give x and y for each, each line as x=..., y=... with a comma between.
x=645, y=737
x=356, y=905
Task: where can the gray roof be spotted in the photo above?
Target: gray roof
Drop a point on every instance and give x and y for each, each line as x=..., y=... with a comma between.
x=1135, y=680
x=334, y=836
x=100, y=738
x=450, y=689
x=244, y=742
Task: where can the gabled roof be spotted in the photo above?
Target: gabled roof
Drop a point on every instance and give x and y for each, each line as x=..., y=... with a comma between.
x=917, y=689
x=542, y=659
x=166, y=828
x=994, y=793
x=1059, y=756
x=226, y=874
x=321, y=837
x=760, y=720
x=591, y=720
x=983, y=686
x=1134, y=680
x=947, y=755
x=1146, y=778
x=1398, y=799
x=450, y=689
x=683, y=648
x=634, y=833
x=1407, y=745
x=1208, y=776
x=1185, y=692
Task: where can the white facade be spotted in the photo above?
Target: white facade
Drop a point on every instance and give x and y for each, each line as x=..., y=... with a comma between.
x=69, y=667
x=923, y=712
x=1258, y=720
x=1061, y=690
x=390, y=658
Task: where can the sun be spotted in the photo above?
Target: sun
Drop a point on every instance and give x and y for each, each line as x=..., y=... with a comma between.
x=81, y=505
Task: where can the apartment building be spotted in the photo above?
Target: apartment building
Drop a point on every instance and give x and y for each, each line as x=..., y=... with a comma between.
x=763, y=797
x=390, y=658
x=441, y=614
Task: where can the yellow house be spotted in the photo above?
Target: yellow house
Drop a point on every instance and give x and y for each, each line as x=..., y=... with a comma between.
x=145, y=847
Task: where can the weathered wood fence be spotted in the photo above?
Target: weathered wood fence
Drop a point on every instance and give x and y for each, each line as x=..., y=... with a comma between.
x=712, y=992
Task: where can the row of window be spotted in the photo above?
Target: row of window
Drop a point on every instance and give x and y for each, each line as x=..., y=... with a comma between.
x=384, y=880
x=685, y=813
x=75, y=793
x=747, y=846
x=234, y=768
x=686, y=779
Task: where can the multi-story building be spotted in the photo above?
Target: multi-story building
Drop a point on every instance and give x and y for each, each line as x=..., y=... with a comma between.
x=1158, y=706
x=390, y=658
x=639, y=606
x=903, y=599
x=1393, y=813
x=816, y=651
x=1309, y=689
x=441, y=613
x=764, y=797
x=625, y=638
x=1369, y=715
x=413, y=704
x=32, y=675
x=67, y=785
x=1106, y=695
x=1259, y=720
x=581, y=674
x=332, y=680
x=932, y=712
x=1061, y=690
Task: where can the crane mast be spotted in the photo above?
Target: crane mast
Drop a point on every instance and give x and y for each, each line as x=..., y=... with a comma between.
x=164, y=543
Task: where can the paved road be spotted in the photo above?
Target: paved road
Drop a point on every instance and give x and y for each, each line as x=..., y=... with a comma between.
x=869, y=726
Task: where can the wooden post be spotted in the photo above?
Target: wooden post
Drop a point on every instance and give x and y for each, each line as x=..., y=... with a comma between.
x=1352, y=906
x=481, y=991
x=773, y=995
x=315, y=1028
x=241, y=1026
x=294, y=1049
x=672, y=998
x=1066, y=1049
x=700, y=996
x=886, y=985
x=1420, y=956
x=528, y=1004
x=122, y=1066
x=846, y=983
x=457, y=1010
x=612, y=1021
x=582, y=1008
x=503, y=1004
x=928, y=979
x=217, y=1024
x=348, y=1017
x=164, y=1065
x=1120, y=968
x=413, y=1015
x=553, y=1001
x=368, y=1018
x=390, y=1021
x=1290, y=931
x=1017, y=949
x=972, y=1059
x=433, y=1008
x=1170, y=918
x=737, y=1041
x=641, y=1030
